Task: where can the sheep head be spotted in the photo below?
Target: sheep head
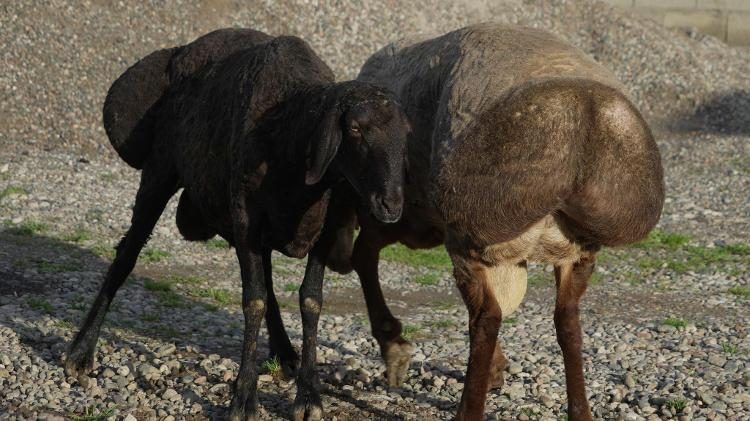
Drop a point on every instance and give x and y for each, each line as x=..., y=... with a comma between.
x=363, y=136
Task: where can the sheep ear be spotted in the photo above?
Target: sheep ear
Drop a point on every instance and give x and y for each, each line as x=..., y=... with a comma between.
x=323, y=146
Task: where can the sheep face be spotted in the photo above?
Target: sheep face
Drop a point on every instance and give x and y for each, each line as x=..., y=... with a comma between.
x=372, y=156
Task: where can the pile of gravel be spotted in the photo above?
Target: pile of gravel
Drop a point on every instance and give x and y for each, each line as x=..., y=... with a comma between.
x=60, y=57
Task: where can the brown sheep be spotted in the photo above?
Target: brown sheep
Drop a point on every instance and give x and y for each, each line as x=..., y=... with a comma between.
x=258, y=134
x=523, y=149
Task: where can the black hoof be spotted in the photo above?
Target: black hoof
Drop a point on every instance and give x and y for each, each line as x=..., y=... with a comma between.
x=244, y=406
x=307, y=406
x=397, y=356
x=78, y=364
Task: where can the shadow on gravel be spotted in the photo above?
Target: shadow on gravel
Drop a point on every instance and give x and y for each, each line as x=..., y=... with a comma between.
x=725, y=113
x=53, y=279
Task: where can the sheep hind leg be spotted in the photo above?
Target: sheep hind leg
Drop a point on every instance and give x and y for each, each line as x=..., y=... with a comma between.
x=152, y=197
x=571, y=280
x=386, y=329
x=281, y=347
x=485, y=317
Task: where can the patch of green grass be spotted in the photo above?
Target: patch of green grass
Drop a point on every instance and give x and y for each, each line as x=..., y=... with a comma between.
x=291, y=287
x=103, y=250
x=678, y=266
x=659, y=238
x=435, y=258
x=217, y=243
x=729, y=348
x=699, y=258
x=676, y=405
x=272, y=366
x=184, y=279
x=153, y=255
x=441, y=324
x=93, y=414
x=170, y=299
x=427, y=279
x=213, y=307
x=77, y=236
x=64, y=324
x=409, y=332
x=595, y=279
x=150, y=317
x=738, y=249
x=11, y=190
x=535, y=279
x=698, y=255
x=675, y=322
x=154, y=285
x=634, y=278
x=740, y=291
x=650, y=263
x=604, y=257
x=441, y=305
x=28, y=228
x=219, y=295
x=510, y=321
x=39, y=303
x=56, y=267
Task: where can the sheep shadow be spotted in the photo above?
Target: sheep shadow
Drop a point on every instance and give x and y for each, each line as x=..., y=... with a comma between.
x=725, y=113
x=53, y=283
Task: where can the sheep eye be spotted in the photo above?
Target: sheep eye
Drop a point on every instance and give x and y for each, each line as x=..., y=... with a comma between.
x=354, y=131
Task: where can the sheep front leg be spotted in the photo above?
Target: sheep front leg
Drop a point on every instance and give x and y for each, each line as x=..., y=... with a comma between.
x=279, y=343
x=307, y=404
x=386, y=329
x=572, y=280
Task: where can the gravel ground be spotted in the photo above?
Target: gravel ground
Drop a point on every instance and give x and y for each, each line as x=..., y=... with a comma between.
x=665, y=323
x=665, y=338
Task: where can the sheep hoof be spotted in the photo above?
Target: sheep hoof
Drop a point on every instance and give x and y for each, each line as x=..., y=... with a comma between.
x=237, y=415
x=78, y=365
x=243, y=408
x=497, y=368
x=290, y=368
x=307, y=406
x=397, y=357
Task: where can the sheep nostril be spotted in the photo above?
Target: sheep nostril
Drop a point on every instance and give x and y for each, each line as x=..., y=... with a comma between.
x=384, y=204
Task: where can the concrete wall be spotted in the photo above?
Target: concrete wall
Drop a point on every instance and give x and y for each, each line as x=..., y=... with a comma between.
x=728, y=20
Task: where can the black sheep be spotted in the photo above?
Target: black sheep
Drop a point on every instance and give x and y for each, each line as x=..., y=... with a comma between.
x=258, y=134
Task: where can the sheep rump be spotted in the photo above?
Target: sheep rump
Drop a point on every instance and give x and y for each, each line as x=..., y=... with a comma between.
x=127, y=113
